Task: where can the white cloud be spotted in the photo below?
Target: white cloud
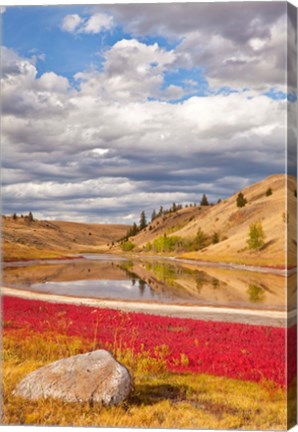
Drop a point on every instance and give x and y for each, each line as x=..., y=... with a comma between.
x=94, y=24
x=52, y=82
x=2, y=9
x=132, y=71
x=229, y=62
x=105, y=150
x=70, y=23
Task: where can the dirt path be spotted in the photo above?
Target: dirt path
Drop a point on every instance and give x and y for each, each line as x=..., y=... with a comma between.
x=205, y=313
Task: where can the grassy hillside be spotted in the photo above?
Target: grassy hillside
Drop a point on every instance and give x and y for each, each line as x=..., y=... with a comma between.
x=225, y=227
x=217, y=233
x=49, y=239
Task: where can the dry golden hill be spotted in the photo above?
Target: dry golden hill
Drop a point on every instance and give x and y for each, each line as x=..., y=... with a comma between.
x=232, y=224
x=23, y=239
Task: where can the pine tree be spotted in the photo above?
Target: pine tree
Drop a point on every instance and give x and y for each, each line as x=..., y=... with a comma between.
x=14, y=216
x=160, y=213
x=30, y=217
x=134, y=229
x=215, y=238
x=204, y=200
x=143, y=221
x=153, y=216
x=241, y=201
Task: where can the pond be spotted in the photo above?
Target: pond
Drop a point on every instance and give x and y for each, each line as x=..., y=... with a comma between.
x=152, y=280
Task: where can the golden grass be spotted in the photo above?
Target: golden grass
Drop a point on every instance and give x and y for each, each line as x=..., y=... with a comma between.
x=254, y=260
x=13, y=252
x=160, y=399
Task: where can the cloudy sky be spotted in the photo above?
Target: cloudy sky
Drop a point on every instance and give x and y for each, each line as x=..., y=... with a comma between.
x=114, y=109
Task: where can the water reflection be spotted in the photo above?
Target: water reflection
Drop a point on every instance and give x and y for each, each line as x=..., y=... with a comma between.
x=152, y=280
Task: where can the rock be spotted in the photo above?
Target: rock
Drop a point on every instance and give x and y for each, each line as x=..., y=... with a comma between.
x=92, y=377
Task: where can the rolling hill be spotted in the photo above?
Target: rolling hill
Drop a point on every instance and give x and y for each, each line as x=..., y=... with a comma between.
x=23, y=239
x=224, y=226
x=232, y=224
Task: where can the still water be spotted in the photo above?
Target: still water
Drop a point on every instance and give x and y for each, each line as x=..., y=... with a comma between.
x=151, y=280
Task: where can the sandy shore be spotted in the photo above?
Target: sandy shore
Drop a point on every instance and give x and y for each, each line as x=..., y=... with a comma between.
x=205, y=313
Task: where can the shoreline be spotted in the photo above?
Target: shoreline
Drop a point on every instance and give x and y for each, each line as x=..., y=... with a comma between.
x=278, y=270
x=204, y=313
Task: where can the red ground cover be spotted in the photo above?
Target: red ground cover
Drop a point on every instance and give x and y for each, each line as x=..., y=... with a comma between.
x=242, y=351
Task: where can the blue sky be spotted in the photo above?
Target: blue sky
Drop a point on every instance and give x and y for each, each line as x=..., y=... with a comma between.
x=67, y=53
x=128, y=107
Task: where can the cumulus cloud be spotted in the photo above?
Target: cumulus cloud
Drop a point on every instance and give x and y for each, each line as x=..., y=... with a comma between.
x=132, y=71
x=70, y=23
x=93, y=25
x=112, y=144
x=233, y=42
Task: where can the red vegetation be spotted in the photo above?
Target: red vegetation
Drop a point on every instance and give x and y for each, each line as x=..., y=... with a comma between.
x=241, y=351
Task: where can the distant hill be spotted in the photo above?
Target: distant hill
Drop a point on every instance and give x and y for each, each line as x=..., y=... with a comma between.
x=230, y=225
x=223, y=226
x=46, y=239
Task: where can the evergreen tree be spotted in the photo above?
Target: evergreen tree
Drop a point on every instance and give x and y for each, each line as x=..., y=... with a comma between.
x=215, y=238
x=174, y=207
x=160, y=213
x=241, y=201
x=14, y=216
x=153, y=216
x=135, y=229
x=204, y=200
x=200, y=240
x=143, y=221
x=30, y=217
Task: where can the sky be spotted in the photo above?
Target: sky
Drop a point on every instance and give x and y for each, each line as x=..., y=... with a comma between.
x=114, y=109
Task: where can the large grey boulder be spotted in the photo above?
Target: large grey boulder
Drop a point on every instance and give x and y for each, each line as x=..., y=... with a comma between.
x=92, y=377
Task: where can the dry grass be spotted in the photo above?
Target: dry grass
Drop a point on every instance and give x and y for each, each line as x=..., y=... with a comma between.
x=232, y=225
x=51, y=239
x=45, y=239
x=160, y=399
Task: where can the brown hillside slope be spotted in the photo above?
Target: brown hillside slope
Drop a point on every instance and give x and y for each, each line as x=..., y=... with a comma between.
x=22, y=239
x=232, y=225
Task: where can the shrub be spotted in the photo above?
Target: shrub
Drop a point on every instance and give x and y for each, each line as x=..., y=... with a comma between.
x=256, y=236
x=200, y=240
x=241, y=201
x=269, y=192
x=166, y=244
x=148, y=247
x=127, y=246
x=256, y=293
x=215, y=238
